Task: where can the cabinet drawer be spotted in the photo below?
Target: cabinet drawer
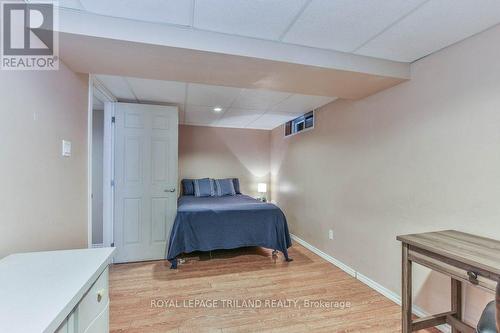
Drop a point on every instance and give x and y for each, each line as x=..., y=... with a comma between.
x=453, y=271
x=101, y=323
x=93, y=303
x=68, y=325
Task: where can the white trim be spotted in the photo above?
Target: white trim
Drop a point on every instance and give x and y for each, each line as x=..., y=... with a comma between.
x=89, y=159
x=97, y=246
x=325, y=256
x=108, y=174
x=419, y=312
x=382, y=290
x=94, y=84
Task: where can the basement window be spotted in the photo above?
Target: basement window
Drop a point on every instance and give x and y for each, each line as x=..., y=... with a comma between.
x=300, y=124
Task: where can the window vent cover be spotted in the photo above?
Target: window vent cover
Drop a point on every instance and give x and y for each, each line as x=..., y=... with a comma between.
x=300, y=124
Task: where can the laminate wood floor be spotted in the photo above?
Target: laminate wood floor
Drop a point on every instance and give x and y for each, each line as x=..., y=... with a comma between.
x=217, y=295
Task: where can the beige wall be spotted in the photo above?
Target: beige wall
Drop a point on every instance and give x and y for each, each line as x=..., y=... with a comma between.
x=422, y=156
x=225, y=152
x=43, y=201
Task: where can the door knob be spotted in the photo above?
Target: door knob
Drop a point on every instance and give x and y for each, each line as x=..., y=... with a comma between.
x=172, y=190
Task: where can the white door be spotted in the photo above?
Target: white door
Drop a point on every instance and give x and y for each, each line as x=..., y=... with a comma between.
x=145, y=180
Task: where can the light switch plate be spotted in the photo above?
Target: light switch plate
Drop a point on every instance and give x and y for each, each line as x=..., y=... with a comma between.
x=66, y=148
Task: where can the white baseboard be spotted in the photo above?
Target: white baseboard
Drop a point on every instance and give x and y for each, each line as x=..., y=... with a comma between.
x=325, y=256
x=366, y=280
x=97, y=246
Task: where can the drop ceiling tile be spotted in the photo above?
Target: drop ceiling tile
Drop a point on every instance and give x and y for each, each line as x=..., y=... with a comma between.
x=97, y=94
x=271, y=120
x=300, y=104
x=344, y=25
x=235, y=117
x=207, y=95
x=165, y=11
x=432, y=27
x=200, y=115
x=158, y=91
x=118, y=86
x=255, y=99
x=253, y=18
x=98, y=99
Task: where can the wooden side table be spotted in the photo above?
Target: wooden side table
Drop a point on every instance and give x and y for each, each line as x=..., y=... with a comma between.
x=464, y=258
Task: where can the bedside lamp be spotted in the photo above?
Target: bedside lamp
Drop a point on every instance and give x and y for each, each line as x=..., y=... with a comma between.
x=262, y=188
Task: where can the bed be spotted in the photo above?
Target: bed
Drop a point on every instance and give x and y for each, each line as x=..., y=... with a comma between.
x=229, y=222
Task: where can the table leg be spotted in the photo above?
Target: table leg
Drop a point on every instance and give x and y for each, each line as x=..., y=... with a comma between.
x=498, y=306
x=456, y=301
x=406, y=301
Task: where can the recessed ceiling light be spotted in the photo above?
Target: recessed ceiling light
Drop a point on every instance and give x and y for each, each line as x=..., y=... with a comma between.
x=217, y=109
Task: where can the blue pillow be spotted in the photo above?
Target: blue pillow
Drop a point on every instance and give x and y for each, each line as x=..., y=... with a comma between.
x=224, y=187
x=187, y=187
x=204, y=187
x=236, y=183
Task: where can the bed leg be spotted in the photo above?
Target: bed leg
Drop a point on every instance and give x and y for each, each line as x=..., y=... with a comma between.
x=287, y=259
x=174, y=264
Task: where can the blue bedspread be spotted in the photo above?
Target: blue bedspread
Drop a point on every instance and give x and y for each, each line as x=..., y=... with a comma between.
x=211, y=223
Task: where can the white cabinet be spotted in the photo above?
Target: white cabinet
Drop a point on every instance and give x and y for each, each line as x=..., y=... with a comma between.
x=94, y=303
x=91, y=315
x=68, y=326
x=101, y=323
x=55, y=291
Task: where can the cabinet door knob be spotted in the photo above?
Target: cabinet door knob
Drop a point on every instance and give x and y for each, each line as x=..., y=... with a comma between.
x=100, y=294
x=472, y=277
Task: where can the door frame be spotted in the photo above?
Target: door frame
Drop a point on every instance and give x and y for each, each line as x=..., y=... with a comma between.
x=94, y=85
